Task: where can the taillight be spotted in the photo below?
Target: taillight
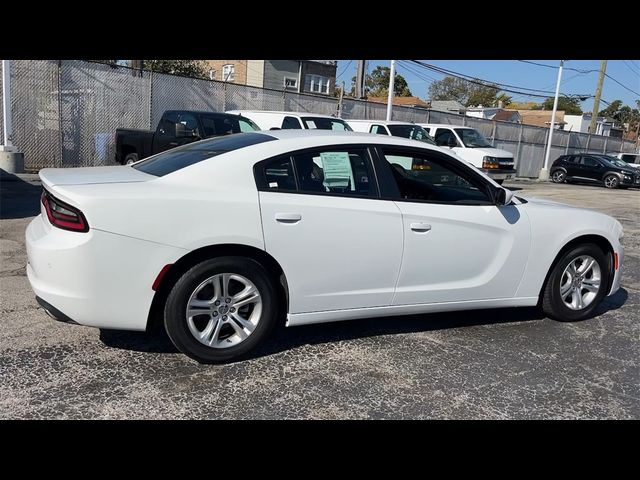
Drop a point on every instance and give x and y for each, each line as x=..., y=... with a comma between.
x=63, y=215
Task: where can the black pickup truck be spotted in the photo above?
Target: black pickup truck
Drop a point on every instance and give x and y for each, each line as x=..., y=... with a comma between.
x=177, y=127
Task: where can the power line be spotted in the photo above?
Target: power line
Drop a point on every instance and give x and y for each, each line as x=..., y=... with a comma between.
x=582, y=71
x=621, y=84
x=496, y=85
x=345, y=69
x=631, y=67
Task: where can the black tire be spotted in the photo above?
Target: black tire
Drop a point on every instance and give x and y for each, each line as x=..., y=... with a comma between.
x=130, y=158
x=611, y=181
x=558, y=176
x=552, y=304
x=175, y=317
x=499, y=182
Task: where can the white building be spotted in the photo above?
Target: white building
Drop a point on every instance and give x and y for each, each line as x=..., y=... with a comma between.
x=580, y=123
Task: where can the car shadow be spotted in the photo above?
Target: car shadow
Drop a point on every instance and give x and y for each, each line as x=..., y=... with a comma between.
x=283, y=339
x=18, y=198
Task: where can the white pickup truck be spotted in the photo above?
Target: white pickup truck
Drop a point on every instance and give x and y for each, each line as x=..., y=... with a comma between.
x=469, y=144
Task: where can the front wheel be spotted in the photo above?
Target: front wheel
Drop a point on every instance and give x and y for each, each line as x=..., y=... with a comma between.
x=577, y=284
x=611, y=181
x=221, y=309
x=558, y=176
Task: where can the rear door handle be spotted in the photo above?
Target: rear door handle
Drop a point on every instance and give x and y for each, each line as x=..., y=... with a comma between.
x=173, y=144
x=288, y=217
x=420, y=227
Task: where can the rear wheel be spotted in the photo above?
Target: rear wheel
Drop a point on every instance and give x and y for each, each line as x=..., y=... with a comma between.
x=558, y=176
x=221, y=309
x=611, y=181
x=131, y=158
x=577, y=284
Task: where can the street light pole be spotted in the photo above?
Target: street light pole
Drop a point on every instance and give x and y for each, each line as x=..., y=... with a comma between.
x=392, y=80
x=544, y=173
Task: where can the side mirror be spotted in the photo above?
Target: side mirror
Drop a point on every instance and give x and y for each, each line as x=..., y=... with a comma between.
x=503, y=196
x=452, y=142
x=181, y=130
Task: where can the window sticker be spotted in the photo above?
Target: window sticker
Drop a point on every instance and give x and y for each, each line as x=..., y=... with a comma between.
x=311, y=124
x=337, y=170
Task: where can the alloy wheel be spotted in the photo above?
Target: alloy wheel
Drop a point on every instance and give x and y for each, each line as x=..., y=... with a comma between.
x=580, y=282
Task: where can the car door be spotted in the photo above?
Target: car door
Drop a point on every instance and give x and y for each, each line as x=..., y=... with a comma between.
x=167, y=136
x=572, y=165
x=339, y=244
x=458, y=245
x=591, y=168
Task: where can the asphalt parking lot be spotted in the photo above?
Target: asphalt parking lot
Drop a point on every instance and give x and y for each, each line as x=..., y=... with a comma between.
x=494, y=364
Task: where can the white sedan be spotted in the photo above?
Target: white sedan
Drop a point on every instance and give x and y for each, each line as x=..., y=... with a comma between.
x=223, y=238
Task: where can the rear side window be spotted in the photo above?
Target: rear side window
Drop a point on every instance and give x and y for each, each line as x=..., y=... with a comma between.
x=216, y=126
x=342, y=171
x=181, y=157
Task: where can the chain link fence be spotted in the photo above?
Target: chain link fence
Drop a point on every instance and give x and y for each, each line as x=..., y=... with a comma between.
x=66, y=112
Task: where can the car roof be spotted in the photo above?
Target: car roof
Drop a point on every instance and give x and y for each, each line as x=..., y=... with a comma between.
x=447, y=125
x=381, y=122
x=275, y=112
x=318, y=137
x=201, y=112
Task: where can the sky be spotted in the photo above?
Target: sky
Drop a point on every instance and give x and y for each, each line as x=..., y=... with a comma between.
x=520, y=74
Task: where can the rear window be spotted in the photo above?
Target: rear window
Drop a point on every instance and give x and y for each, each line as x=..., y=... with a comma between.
x=181, y=157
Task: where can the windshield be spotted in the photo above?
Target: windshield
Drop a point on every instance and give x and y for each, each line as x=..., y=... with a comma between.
x=472, y=138
x=323, y=123
x=414, y=132
x=613, y=161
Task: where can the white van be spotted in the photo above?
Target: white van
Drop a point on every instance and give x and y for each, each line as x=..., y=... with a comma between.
x=469, y=144
x=268, y=120
x=633, y=159
x=393, y=128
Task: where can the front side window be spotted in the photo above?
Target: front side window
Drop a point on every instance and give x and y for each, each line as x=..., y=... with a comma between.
x=379, y=129
x=291, y=123
x=167, y=125
x=228, y=72
x=190, y=123
x=589, y=162
x=214, y=126
x=414, y=132
x=445, y=138
x=472, y=138
x=326, y=123
x=427, y=176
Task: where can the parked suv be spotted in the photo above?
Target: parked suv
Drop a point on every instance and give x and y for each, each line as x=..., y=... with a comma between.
x=592, y=168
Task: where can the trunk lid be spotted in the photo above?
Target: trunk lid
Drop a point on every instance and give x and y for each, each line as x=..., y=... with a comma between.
x=52, y=177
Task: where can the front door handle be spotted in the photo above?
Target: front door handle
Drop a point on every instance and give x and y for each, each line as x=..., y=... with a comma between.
x=288, y=217
x=173, y=144
x=420, y=227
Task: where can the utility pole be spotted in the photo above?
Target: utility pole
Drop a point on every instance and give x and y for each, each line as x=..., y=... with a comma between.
x=136, y=66
x=544, y=173
x=596, y=101
x=11, y=160
x=392, y=78
x=360, y=78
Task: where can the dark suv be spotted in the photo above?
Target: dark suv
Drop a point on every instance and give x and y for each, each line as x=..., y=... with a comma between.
x=591, y=168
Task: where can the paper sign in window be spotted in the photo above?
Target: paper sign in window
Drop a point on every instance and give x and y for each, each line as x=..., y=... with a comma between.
x=337, y=169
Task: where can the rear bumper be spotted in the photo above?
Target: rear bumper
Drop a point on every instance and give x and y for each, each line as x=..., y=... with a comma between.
x=498, y=174
x=98, y=279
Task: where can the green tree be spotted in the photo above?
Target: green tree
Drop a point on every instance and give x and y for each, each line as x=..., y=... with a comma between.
x=570, y=105
x=623, y=114
x=377, y=83
x=505, y=99
x=612, y=109
x=470, y=94
x=187, y=68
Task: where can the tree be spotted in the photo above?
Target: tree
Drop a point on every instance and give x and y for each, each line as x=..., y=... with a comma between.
x=625, y=115
x=470, y=94
x=377, y=83
x=505, y=99
x=570, y=105
x=186, y=68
